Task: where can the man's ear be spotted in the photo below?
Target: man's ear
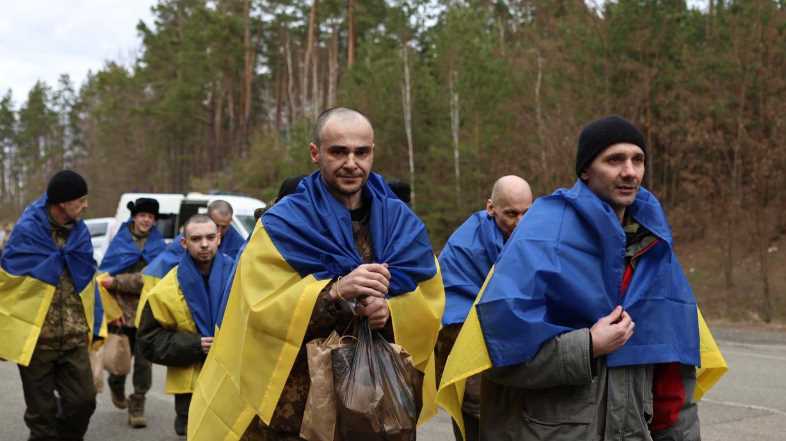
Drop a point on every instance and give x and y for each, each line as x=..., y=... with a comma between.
x=490, y=207
x=314, y=153
x=183, y=242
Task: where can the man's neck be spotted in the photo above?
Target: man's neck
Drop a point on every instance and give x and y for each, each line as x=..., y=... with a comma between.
x=351, y=201
x=620, y=214
x=204, y=267
x=58, y=216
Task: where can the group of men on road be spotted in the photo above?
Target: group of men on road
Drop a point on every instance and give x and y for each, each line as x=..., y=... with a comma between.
x=564, y=319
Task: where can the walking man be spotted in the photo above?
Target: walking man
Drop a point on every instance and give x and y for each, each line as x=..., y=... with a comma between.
x=46, y=296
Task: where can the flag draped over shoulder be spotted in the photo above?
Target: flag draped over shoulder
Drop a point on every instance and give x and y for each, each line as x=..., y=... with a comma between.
x=157, y=269
x=184, y=302
x=204, y=301
x=31, y=269
x=465, y=261
x=562, y=270
x=122, y=254
x=300, y=244
x=231, y=242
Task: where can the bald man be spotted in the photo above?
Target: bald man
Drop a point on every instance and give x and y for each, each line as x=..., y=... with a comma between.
x=465, y=261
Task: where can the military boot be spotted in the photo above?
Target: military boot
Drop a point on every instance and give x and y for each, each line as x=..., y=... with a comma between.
x=118, y=397
x=136, y=411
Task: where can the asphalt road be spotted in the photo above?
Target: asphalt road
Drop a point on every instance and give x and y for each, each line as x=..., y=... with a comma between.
x=749, y=403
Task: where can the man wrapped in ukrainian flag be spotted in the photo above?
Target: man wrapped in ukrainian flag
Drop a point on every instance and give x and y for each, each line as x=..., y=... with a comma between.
x=342, y=239
x=47, y=306
x=586, y=328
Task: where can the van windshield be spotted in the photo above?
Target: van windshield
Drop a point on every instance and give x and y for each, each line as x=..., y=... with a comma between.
x=248, y=222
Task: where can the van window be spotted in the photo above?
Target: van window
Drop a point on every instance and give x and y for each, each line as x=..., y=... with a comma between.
x=97, y=229
x=166, y=225
x=248, y=222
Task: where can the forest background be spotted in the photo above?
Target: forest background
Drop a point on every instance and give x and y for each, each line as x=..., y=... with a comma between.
x=223, y=95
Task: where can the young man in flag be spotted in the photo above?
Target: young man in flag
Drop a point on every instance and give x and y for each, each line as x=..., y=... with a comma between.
x=343, y=238
x=180, y=316
x=465, y=261
x=231, y=241
x=587, y=327
x=136, y=244
x=47, y=304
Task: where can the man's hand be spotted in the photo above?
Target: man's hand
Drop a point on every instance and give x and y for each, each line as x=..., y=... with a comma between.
x=207, y=342
x=371, y=279
x=107, y=282
x=611, y=332
x=376, y=309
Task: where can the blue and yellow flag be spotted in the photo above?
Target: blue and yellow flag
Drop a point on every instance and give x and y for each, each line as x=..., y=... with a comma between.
x=231, y=242
x=466, y=259
x=157, y=269
x=182, y=301
x=562, y=270
x=122, y=254
x=31, y=269
x=204, y=300
x=300, y=244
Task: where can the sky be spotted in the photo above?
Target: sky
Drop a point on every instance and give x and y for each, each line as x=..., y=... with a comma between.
x=42, y=39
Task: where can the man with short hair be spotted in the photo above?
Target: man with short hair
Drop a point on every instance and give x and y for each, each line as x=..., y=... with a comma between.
x=136, y=243
x=46, y=299
x=465, y=261
x=590, y=325
x=231, y=241
x=181, y=313
x=342, y=245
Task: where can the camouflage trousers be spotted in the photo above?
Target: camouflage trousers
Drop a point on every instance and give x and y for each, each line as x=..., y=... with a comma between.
x=64, y=417
x=258, y=431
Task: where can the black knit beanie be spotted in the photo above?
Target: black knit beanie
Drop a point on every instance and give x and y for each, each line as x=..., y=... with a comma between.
x=600, y=134
x=64, y=186
x=144, y=205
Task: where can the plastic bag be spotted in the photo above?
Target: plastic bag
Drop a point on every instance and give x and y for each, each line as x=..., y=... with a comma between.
x=376, y=389
x=117, y=354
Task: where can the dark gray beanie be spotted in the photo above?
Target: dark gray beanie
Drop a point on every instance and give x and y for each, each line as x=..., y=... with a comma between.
x=600, y=134
x=64, y=186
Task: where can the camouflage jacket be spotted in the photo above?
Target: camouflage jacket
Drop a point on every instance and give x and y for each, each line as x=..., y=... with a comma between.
x=127, y=286
x=65, y=326
x=328, y=315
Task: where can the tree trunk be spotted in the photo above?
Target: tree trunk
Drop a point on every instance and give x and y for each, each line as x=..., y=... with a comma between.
x=544, y=157
x=455, y=122
x=332, y=69
x=290, y=80
x=307, y=57
x=350, y=33
x=406, y=98
x=315, y=87
x=248, y=74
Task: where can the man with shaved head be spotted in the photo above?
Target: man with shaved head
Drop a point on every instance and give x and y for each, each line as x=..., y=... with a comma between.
x=466, y=260
x=341, y=252
x=510, y=199
x=221, y=212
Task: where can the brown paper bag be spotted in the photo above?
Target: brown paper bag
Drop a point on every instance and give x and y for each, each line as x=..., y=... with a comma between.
x=319, y=419
x=117, y=354
x=97, y=366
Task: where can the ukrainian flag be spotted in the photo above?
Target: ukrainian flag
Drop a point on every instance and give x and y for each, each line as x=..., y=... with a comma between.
x=121, y=255
x=31, y=269
x=547, y=282
x=157, y=269
x=301, y=244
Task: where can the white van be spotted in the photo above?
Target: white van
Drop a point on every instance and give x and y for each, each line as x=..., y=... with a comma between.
x=175, y=208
